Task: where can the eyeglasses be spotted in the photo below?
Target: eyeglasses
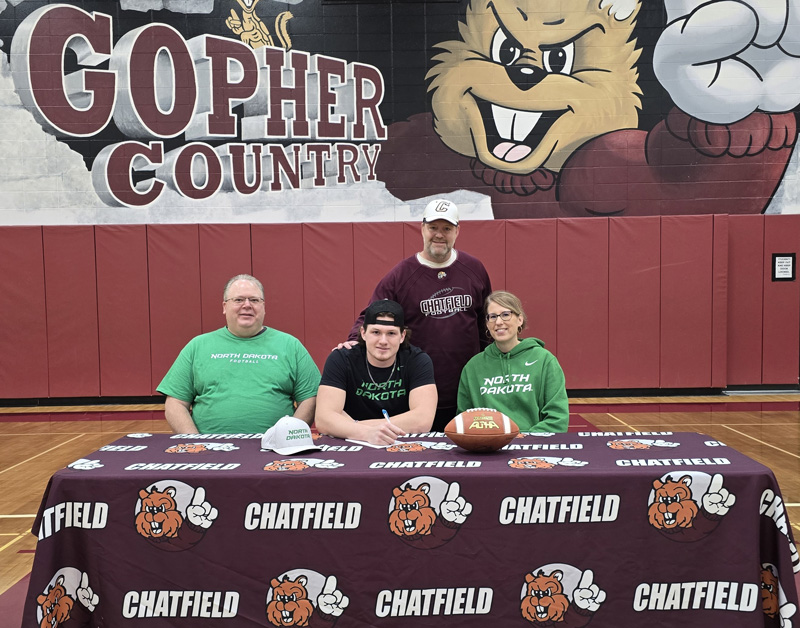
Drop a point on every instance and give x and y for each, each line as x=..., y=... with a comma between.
x=241, y=300
x=506, y=316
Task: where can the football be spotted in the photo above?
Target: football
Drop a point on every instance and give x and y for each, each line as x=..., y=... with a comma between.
x=481, y=430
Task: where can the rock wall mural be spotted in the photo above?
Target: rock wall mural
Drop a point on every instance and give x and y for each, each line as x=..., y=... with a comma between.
x=159, y=111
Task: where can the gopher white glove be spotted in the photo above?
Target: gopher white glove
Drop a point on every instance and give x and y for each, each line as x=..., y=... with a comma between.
x=454, y=508
x=722, y=60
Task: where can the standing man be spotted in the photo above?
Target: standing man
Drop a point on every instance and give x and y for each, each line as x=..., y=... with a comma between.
x=243, y=377
x=441, y=291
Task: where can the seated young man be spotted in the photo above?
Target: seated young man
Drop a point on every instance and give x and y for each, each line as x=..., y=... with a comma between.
x=380, y=389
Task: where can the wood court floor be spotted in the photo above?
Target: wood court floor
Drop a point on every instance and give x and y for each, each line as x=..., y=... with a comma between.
x=34, y=446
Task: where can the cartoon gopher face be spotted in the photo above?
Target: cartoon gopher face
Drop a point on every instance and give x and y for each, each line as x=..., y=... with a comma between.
x=544, y=599
x=158, y=516
x=628, y=444
x=404, y=447
x=289, y=605
x=769, y=593
x=532, y=80
x=673, y=506
x=187, y=448
x=55, y=604
x=530, y=463
x=412, y=512
x=286, y=465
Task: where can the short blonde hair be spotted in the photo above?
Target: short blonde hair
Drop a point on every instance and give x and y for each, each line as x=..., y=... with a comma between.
x=510, y=302
x=249, y=278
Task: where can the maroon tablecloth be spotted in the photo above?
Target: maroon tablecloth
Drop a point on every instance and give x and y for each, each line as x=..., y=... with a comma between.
x=589, y=529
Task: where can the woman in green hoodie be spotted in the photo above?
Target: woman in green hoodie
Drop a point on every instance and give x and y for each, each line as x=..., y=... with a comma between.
x=517, y=376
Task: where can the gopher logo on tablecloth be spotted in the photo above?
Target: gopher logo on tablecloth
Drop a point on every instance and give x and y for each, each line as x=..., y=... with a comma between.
x=690, y=507
x=186, y=448
x=544, y=462
x=85, y=464
x=560, y=595
x=639, y=443
x=291, y=596
x=420, y=445
x=67, y=596
x=406, y=447
x=199, y=448
x=301, y=464
x=773, y=598
x=172, y=515
x=427, y=512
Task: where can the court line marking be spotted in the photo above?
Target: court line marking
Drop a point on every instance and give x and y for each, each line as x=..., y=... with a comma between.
x=115, y=432
x=657, y=425
x=16, y=516
x=727, y=427
x=19, y=537
x=46, y=451
x=621, y=421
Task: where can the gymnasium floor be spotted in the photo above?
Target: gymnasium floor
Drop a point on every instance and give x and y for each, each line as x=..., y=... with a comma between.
x=35, y=443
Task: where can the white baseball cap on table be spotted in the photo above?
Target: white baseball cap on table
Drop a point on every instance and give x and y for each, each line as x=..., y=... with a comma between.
x=441, y=209
x=288, y=436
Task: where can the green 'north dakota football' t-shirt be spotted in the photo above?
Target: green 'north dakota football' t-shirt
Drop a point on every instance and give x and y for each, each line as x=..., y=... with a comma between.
x=241, y=385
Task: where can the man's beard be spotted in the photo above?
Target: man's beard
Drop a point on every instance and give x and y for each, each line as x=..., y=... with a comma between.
x=441, y=257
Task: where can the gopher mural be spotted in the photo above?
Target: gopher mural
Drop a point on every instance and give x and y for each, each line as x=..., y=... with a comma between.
x=537, y=104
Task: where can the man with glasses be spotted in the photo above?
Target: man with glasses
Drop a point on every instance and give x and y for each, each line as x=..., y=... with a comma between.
x=441, y=291
x=243, y=377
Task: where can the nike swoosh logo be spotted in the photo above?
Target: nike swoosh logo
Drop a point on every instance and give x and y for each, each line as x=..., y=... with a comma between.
x=531, y=363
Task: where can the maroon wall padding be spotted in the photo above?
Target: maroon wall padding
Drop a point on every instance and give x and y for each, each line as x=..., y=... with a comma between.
x=686, y=301
x=23, y=322
x=173, y=254
x=123, y=310
x=73, y=354
x=745, y=299
x=412, y=238
x=485, y=239
x=634, y=301
x=610, y=297
x=377, y=247
x=531, y=275
x=781, y=354
x=328, y=286
x=278, y=265
x=224, y=253
x=719, y=304
x=582, y=301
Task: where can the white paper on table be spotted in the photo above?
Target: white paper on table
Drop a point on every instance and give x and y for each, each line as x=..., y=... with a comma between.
x=366, y=444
